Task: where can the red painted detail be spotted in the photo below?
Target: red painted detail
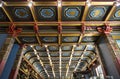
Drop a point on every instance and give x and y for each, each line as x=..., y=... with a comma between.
x=83, y=28
x=14, y=31
x=12, y=73
x=22, y=45
x=59, y=27
x=36, y=29
x=106, y=29
x=2, y=64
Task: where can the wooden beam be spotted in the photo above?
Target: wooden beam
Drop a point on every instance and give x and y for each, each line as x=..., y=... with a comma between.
x=50, y=61
x=67, y=23
x=85, y=12
x=80, y=38
x=111, y=12
x=71, y=56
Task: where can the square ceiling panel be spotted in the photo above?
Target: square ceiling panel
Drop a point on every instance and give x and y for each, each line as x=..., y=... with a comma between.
x=90, y=38
x=3, y=16
x=66, y=54
x=53, y=48
x=70, y=39
x=49, y=39
x=116, y=15
x=97, y=13
x=65, y=48
x=77, y=54
x=46, y=13
x=39, y=48
x=80, y=47
x=27, y=39
x=54, y=54
x=72, y=13
x=22, y=13
x=43, y=54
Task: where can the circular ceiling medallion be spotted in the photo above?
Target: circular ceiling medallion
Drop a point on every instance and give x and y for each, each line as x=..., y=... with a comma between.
x=21, y=13
x=97, y=12
x=49, y=39
x=117, y=14
x=46, y=12
x=28, y=39
x=72, y=12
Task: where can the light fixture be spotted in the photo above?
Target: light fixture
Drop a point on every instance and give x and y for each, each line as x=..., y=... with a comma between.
x=1, y=3
x=88, y=3
x=59, y=3
x=30, y=3
x=117, y=3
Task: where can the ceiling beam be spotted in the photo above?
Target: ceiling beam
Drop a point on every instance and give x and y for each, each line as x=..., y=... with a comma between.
x=50, y=61
x=60, y=60
x=80, y=38
x=80, y=58
x=71, y=56
x=67, y=23
x=111, y=12
x=11, y=20
x=85, y=11
x=38, y=57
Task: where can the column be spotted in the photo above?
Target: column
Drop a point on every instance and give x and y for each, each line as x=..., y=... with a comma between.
x=5, y=51
x=16, y=66
x=108, y=57
x=10, y=61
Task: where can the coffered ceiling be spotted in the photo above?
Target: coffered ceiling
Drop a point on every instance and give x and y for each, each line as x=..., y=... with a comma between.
x=60, y=34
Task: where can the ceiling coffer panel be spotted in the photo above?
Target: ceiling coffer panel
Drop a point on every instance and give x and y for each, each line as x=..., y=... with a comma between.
x=19, y=14
x=49, y=39
x=54, y=54
x=53, y=48
x=69, y=39
x=42, y=54
x=80, y=47
x=97, y=13
x=28, y=39
x=46, y=13
x=72, y=13
x=3, y=16
x=39, y=48
x=116, y=14
x=65, y=48
x=77, y=53
x=66, y=53
x=90, y=38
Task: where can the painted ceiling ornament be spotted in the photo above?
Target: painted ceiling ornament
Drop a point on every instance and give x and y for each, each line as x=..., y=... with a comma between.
x=49, y=39
x=72, y=12
x=97, y=12
x=21, y=13
x=70, y=39
x=117, y=14
x=28, y=39
x=46, y=12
